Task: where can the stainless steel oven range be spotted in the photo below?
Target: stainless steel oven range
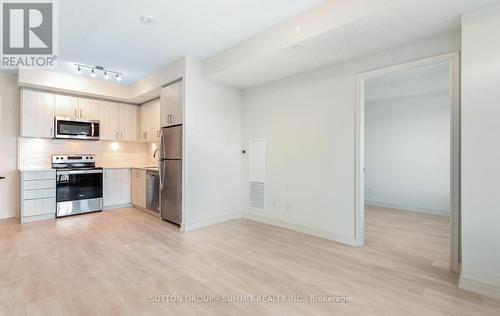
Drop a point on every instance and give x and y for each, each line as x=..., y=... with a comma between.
x=78, y=184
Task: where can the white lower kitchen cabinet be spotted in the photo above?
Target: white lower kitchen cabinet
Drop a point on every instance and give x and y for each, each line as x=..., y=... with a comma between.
x=116, y=188
x=38, y=195
x=138, y=185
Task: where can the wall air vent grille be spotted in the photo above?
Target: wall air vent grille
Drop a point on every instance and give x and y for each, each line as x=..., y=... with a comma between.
x=257, y=195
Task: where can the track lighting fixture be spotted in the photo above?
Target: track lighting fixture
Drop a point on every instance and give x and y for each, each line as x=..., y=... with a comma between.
x=94, y=69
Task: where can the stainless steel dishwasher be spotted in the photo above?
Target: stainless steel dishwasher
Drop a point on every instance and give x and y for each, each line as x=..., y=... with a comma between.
x=153, y=191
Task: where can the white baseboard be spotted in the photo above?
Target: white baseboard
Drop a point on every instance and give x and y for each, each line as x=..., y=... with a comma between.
x=36, y=218
x=351, y=241
x=186, y=227
x=479, y=287
x=410, y=208
x=114, y=207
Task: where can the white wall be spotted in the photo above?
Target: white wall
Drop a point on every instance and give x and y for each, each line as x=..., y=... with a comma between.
x=9, y=131
x=212, y=145
x=481, y=151
x=308, y=122
x=407, y=153
x=407, y=139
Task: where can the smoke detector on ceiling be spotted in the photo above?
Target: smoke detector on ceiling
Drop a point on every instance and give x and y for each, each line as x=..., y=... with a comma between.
x=149, y=19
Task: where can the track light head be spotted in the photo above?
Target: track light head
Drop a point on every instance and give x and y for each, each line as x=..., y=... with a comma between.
x=94, y=69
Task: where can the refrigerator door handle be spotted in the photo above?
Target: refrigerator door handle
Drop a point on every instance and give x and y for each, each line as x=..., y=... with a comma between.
x=161, y=144
x=161, y=174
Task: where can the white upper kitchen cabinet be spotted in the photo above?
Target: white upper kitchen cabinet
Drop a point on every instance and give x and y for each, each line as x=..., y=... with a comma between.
x=110, y=120
x=150, y=121
x=116, y=188
x=69, y=106
x=128, y=122
x=172, y=104
x=118, y=121
x=37, y=114
x=89, y=109
x=66, y=106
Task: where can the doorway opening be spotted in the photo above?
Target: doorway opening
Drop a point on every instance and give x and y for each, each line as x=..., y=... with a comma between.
x=408, y=159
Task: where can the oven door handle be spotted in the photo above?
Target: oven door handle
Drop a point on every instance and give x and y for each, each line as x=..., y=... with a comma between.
x=79, y=172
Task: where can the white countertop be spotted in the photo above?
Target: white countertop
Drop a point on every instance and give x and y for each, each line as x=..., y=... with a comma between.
x=150, y=168
x=24, y=169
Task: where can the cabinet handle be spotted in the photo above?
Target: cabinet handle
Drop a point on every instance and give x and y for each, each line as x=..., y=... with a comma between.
x=81, y=114
x=50, y=132
x=117, y=136
x=75, y=113
x=158, y=133
x=145, y=135
x=121, y=135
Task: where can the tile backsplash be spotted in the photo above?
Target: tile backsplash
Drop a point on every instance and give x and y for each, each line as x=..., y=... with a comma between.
x=37, y=152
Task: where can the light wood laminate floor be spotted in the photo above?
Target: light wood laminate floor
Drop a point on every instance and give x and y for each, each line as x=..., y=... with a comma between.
x=117, y=262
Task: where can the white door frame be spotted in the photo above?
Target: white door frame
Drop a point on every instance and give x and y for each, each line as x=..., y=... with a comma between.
x=454, y=60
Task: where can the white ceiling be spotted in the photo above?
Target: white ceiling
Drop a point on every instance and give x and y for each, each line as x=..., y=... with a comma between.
x=109, y=33
x=388, y=24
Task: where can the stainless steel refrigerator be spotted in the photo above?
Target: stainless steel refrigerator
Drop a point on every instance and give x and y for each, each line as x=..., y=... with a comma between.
x=170, y=166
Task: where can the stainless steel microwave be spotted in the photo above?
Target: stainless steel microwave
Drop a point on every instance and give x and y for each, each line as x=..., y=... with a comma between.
x=76, y=128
